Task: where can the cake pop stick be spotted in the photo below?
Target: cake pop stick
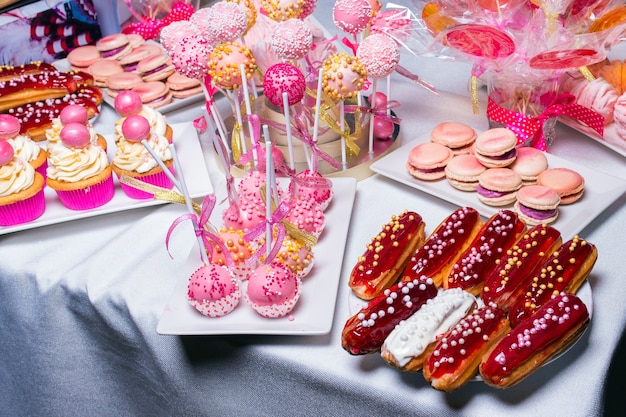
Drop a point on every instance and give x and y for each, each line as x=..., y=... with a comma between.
x=292, y=163
x=372, y=105
x=246, y=98
x=237, y=107
x=270, y=171
x=268, y=195
x=342, y=126
x=318, y=104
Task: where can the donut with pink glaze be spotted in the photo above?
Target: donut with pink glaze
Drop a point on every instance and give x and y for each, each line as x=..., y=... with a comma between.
x=74, y=113
x=136, y=128
x=128, y=103
x=9, y=126
x=213, y=291
x=75, y=135
x=273, y=290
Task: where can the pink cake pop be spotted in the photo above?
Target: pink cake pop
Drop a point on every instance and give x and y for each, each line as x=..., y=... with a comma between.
x=6, y=152
x=213, y=291
x=224, y=64
x=74, y=113
x=239, y=250
x=321, y=195
x=277, y=157
x=250, y=9
x=226, y=22
x=307, y=216
x=176, y=31
x=343, y=76
x=291, y=39
x=9, y=126
x=135, y=128
x=352, y=16
x=127, y=103
x=273, y=290
x=280, y=10
x=379, y=54
x=75, y=135
x=190, y=56
x=296, y=255
x=307, y=9
x=199, y=19
x=284, y=78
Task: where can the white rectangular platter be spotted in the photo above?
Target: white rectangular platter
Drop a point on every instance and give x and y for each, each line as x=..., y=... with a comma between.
x=610, y=139
x=314, y=312
x=601, y=190
x=194, y=169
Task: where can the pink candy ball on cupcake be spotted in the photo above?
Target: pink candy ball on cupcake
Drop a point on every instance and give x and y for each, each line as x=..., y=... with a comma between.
x=9, y=126
x=352, y=16
x=135, y=128
x=284, y=78
x=74, y=113
x=75, y=135
x=291, y=39
x=128, y=103
x=213, y=290
x=379, y=54
x=273, y=290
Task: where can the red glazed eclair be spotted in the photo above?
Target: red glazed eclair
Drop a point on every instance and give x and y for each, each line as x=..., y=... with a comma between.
x=497, y=235
x=366, y=331
x=9, y=72
x=536, y=340
x=455, y=358
x=517, y=266
x=444, y=246
x=386, y=255
x=25, y=89
x=564, y=271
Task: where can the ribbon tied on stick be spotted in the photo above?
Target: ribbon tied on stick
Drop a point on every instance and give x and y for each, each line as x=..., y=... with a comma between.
x=150, y=28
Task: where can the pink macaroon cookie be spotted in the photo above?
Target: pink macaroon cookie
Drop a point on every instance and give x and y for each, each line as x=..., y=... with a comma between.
x=153, y=94
x=113, y=46
x=427, y=161
x=457, y=136
x=122, y=81
x=537, y=204
x=495, y=148
x=82, y=57
x=463, y=171
x=498, y=186
x=182, y=86
x=131, y=59
x=568, y=183
x=156, y=67
x=529, y=163
x=101, y=71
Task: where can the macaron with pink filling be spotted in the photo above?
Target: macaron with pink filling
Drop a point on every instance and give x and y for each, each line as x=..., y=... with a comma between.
x=495, y=148
x=568, y=183
x=462, y=172
x=101, y=71
x=82, y=57
x=427, y=161
x=213, y=290
x=113, y=46
x=153, y=94
x=457, y=136
x=155, y=67
x=182, y=86
x=273, y=290
x=529, y=163
x=498, y=186
x=537, y=204
x=122, y=81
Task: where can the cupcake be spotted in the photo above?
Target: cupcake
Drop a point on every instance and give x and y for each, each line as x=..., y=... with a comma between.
x=273, y=290
x=79, y=171
x=21, y=189
x=213, y=290
x=23, y=146
x=74, y=113
x=128, y=103
x=134, y=160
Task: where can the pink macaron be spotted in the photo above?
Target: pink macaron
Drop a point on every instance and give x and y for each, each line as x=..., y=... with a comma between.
x=113, y=46
x=529, y=163
x=495, y=148
x=457, y=136
x=498, y=186
x=427, y=161
x=82, y=57
x=122, y=81
x=537, y=204
x=153, y=94
x=155, y=67
x=463, y=171
x=568, y=183
x=182, y=86
x=101, y=71
x=131, y=59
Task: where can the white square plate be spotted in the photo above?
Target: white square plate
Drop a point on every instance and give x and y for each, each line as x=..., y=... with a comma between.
x=314, y=312
x=194, y=169
x=601, y=190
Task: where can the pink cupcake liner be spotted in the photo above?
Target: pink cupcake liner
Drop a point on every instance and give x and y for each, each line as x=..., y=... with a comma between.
x=90, y=197
x=160, y=179
x=23, y=211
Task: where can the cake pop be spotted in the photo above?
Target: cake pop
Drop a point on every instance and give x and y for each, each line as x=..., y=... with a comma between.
x=280, y=10
x=291, y=39
x=190, y=56
x=213, y=290
x=224, y=64
x=352, y=16
x=379, y=54
x=273, y=290
x=250, y=9
x=176, y=31
x=281, y=78
x=225, y=22
x=343, y=76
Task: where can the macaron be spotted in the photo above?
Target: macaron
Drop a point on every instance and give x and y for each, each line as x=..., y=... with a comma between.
x=82, y=57
x=122, y=81
x=537, y=204
x=495, y=148
x=135, y=39
x=113, y=46
x=156, y=67
x=463, y=171
x=153, y=94
x=427, y=161
x=131, y=59
x=568, y=183
x=101, y=71
x=498, y=186
x=182, y=86
x=457, y=136
x=529, y=163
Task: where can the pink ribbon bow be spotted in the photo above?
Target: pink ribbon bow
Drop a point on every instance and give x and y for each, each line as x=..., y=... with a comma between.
x=275, y=220
x=378, y=111
x=150, y=28
x=526, y=127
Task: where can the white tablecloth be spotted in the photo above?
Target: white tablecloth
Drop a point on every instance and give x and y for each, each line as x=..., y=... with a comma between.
x=81, y=302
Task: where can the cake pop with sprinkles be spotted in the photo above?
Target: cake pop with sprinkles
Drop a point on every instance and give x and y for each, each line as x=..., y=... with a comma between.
x=175, y=32
x=280, y=10
x=343, y=76
x=284, y=78
x=352, y=16
x=191, y=56
x=379, y=54
x=250, y=9
x=226, y=22
x=224, y=64
x=213, y=290
x=273, y=290
x=291, y=39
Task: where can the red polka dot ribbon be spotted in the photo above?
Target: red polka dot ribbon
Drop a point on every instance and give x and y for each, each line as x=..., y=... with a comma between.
x=150, y=28
x=531, y=128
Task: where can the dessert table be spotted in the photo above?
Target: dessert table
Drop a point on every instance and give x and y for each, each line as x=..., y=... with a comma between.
x=82, y=300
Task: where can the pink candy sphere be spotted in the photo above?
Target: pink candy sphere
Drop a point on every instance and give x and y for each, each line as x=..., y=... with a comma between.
x=226, y=22
x=75, y=135
x=291, y=39
x=173, y=33
x=74, y=113
x=9, y=126
x=383, y=129
x=380, y=55
x=135, y=128
x=284, y=78
x=127, y=103
x=352, y=16
x=190, y=56
x=6, y=152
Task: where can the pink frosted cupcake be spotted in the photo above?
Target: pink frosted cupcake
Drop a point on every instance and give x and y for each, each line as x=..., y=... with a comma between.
x=213, y=290
x=74, y=113
x=21, y=189
x=133, y=159
x=273, y=290
x=23, y=146
x=79, y=171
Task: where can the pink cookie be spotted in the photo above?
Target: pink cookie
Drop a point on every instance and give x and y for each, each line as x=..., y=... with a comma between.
x=9, y=126
x=291, y=39
x=568, y=183
x=113, y=46
x=427, y=161
x=529, y=163
x=498, y=186
x=213, y=291
x=495, y=148
x=459, y=137
x=537, y=204
x=82, y=57
x=155, y=67
x=352, y=16
x=380, y=55
x=284, y=78
x=463, y=171
x=273, y=290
